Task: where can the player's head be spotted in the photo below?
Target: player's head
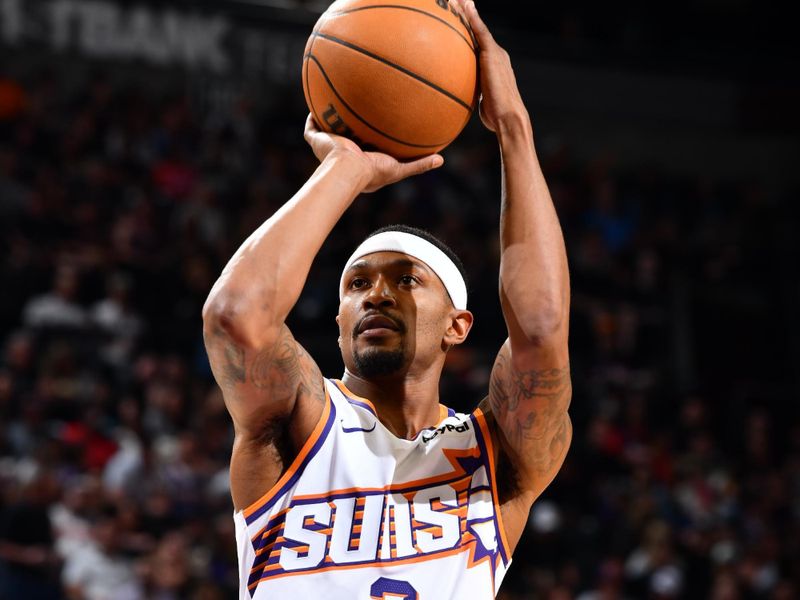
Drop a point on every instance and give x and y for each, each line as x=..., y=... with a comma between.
x=403, y=303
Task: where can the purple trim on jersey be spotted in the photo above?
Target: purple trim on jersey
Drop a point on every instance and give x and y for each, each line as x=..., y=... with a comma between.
x=299, y=470
x=377, y=561
x=450, y=412
x=362, y=494
x=481, y=520
x=363, y=405
x=353, y=522
x=353, y=401
x=490, y=473
x=261, y=559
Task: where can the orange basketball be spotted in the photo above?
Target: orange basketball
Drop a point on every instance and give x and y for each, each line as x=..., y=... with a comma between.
x=399, y=77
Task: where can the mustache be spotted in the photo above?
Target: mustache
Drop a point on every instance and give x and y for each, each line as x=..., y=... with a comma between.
x=399, y=323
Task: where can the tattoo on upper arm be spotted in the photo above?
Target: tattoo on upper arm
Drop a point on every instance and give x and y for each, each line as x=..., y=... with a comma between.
x=234, y=368
x=230, y=369
x=279, y=370
x=530, y=407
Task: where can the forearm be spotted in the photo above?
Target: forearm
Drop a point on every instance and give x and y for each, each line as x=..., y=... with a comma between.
x=531, y=386
x=534, y=279
x=264, y=278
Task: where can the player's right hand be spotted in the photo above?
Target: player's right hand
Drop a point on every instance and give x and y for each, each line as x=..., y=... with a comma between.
x=501, y=102
x=379, y=169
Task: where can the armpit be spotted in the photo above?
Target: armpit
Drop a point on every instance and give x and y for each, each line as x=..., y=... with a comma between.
x=507, y=476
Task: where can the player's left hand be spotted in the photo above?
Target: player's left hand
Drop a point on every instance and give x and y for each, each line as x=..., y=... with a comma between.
x=500, y=99
x=379, y=169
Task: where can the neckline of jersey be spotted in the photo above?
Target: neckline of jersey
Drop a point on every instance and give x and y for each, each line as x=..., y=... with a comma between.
x=444, y=413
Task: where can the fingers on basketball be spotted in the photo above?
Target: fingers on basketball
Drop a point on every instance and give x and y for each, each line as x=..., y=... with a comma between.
x=459, y=5
x=421, y=165
x=479, y=28
x=310, y=127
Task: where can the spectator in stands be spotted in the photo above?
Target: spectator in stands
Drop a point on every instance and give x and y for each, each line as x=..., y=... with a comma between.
x=99, y=570
x=58, y=308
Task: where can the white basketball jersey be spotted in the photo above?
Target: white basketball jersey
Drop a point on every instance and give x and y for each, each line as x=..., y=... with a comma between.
x=363, y=514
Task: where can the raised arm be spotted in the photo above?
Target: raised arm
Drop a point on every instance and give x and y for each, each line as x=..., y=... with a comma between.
x=530, y=386
x=272, y=388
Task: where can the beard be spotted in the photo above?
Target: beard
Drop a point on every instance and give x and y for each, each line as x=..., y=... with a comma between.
x=379, y=362
x=376, y=362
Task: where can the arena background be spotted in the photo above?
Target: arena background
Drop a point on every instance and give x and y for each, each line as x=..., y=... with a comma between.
x=140, y=144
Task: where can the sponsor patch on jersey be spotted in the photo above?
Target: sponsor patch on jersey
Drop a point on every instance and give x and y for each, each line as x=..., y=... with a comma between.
x=445, y=428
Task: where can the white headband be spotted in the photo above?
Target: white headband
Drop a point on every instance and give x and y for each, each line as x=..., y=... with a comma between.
x=422, y=249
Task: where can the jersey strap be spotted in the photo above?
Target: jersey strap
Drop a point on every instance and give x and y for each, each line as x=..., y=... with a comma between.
x=295, y=470
x=484, y=438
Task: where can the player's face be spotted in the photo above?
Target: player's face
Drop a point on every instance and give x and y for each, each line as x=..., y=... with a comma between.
x=394, y=311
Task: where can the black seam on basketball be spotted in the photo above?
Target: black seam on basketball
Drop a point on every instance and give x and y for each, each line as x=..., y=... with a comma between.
x=389, y=63
x=308, y=87
x=412, y=9
x=463, y=124
x=360, y=118
x=310, y=99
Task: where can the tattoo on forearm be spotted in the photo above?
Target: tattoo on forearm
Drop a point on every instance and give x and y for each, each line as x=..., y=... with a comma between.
x=531, y=408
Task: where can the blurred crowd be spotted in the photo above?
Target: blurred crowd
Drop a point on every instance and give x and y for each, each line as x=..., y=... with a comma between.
x=121, y=202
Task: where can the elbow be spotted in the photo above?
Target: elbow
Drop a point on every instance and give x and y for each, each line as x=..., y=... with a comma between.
x=222, y=316
x=220, y=308
x=540, y=331
x=539, y=313
x=231, y=316
x=544, y=324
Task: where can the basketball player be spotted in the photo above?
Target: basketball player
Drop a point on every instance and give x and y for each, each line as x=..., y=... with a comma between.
x=367, y=487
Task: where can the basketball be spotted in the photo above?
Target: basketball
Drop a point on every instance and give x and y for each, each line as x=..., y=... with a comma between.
x=399, y=78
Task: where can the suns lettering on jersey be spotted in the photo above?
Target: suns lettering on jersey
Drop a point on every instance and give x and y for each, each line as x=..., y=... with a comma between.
x=400, y=523
x=347, y=530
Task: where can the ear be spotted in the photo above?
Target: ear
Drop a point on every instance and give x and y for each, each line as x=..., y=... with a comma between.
x=458, y=327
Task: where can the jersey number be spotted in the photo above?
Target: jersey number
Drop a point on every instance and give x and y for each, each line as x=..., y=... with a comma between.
x=384, y=589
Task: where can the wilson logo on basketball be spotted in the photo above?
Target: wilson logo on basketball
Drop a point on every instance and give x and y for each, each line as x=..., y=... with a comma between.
x=337, y=125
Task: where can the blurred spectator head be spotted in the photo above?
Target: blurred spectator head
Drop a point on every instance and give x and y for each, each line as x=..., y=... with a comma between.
x=106, y=529
x=66, y=282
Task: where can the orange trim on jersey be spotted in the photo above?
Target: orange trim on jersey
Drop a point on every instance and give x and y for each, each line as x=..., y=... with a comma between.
x=312, y=439
x=443, y=412
x=276, y=518
x=465, y=547
x=480, y=418
x=343, y=388
x=452, y=455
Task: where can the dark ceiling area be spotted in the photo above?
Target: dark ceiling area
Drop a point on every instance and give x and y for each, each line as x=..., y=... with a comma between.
x=743, y=36
x=733, y=38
